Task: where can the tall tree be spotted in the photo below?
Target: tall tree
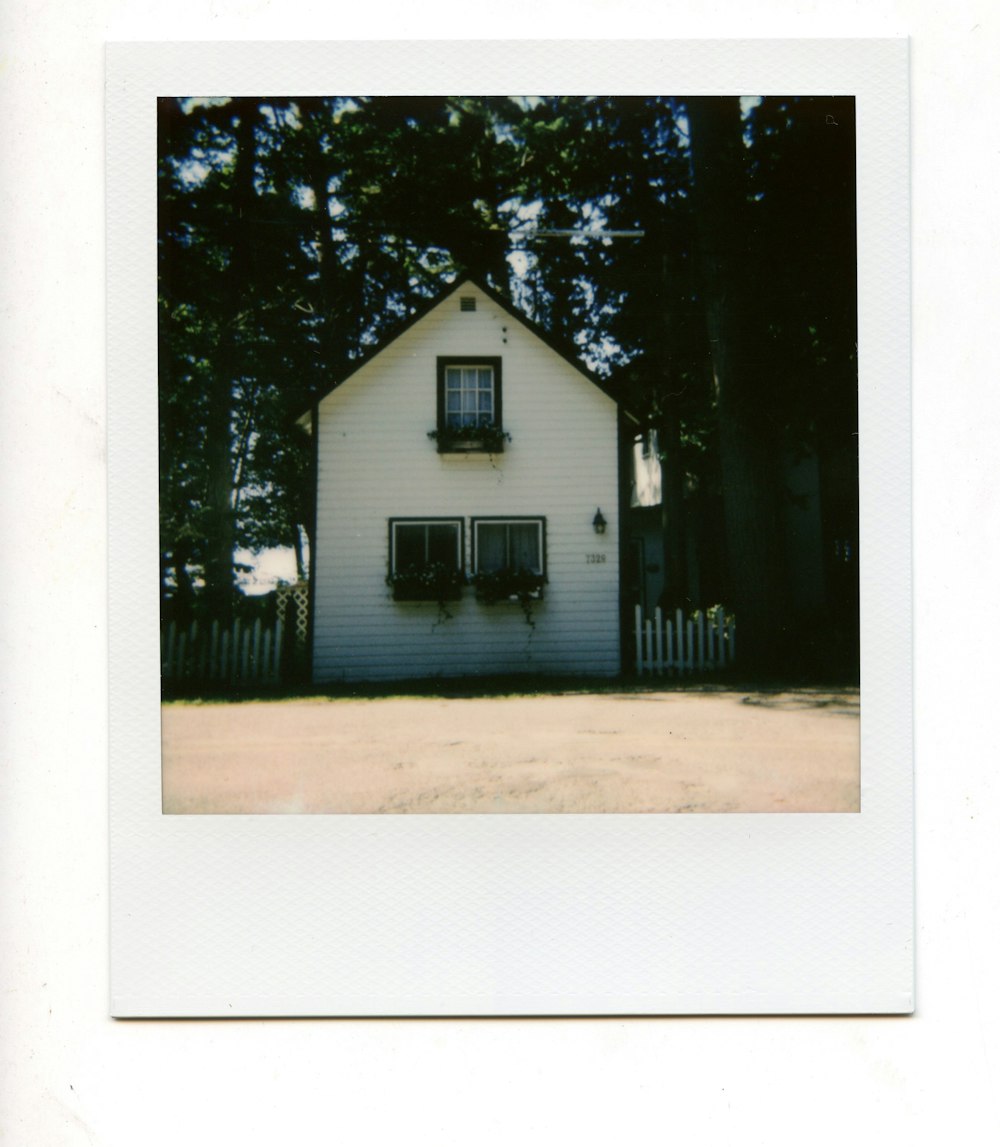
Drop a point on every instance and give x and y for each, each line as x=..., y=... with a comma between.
x=748, y=439
x=296, y=232
x=225, y=285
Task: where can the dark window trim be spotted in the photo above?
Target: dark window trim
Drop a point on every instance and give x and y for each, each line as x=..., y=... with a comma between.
x=539, y=518
x=429, y=520
x=494, y=361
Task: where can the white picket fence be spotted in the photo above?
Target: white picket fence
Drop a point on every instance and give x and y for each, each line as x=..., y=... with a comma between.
x=683, y=644
x=239, y=654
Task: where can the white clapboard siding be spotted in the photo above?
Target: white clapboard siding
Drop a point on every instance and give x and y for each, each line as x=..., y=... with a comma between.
x=375, y=462
x=676, y=643
x=239, y=655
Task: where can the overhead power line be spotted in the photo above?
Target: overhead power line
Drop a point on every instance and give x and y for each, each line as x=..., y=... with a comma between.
x=573, y=233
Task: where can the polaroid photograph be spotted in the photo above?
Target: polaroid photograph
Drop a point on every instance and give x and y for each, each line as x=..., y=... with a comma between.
x=510, y=546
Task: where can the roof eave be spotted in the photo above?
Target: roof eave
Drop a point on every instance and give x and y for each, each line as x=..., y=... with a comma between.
x=496, y=297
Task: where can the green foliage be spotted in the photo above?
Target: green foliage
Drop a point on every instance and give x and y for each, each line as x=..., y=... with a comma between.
x=521, y=585
x=508, y=584
x=294, y=233
x=485, y=434
x=432, y=581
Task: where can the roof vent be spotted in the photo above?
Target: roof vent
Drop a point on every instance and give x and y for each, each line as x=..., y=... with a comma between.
x=467, y=303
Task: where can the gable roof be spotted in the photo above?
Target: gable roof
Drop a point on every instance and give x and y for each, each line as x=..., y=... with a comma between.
x=563, y=350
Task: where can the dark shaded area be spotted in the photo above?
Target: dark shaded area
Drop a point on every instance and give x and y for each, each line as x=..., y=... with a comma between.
x=769, y=694
x=295, y=233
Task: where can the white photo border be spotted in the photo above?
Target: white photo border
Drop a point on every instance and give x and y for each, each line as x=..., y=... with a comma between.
x=294, y=915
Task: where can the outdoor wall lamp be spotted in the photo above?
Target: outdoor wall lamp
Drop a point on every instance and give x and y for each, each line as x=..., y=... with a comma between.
x=600, y=525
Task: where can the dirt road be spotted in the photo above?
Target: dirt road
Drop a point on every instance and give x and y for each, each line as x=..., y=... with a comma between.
x=584, y=753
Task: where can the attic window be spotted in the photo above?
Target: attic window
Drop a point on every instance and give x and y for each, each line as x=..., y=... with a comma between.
x=469, y=398
x=467, y=303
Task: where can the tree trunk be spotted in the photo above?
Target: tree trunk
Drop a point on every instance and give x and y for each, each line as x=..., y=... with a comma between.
x=748, y=442
x=675, y=587
x=664, y=347
x=219, y=584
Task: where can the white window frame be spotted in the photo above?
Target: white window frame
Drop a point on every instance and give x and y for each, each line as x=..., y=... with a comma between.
x=513, y=520
x=458, y=523
x=461, y=389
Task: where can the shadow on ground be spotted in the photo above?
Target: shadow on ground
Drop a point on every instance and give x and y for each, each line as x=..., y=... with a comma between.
x=775, y=695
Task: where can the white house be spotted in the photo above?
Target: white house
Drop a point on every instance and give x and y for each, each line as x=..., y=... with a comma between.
x=466, y=449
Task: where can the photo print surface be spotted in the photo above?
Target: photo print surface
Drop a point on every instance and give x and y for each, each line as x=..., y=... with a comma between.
x=489, y=533
x=508, y=454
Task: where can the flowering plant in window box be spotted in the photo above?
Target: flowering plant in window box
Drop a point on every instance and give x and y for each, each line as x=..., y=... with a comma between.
x=434, y=581
x=521, y=585
x=508, y=585
x=485, y=438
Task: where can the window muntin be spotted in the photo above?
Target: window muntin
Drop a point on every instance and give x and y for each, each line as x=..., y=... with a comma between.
x=469, y=392
x=415, y=543
x=508, y=544
x=468, y=396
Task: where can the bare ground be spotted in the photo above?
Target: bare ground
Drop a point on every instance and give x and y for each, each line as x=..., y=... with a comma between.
x=796, y=751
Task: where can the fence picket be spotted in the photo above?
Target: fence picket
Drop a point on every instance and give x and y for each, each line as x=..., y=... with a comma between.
x=245, y=661
x=682, y=644
x=638, y=639
x=168, y=668
x=276, y=667
x=198, y=652
x=658, y=626
x=204, y=652
x=257, y=675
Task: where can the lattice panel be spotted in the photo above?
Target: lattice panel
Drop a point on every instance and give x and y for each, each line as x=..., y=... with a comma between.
x=299, y=593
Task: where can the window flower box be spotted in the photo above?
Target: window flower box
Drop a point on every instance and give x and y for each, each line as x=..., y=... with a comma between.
x=485, y=439
x=433, y=582
x=519, y=585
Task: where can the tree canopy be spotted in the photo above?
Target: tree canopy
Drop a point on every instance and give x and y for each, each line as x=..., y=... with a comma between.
x=698, y=253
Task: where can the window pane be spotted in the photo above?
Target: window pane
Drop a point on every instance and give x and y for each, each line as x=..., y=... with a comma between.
x=442, y=544
x=525, y=546
x=410, y=546
x=469, y=398
x=491, y=546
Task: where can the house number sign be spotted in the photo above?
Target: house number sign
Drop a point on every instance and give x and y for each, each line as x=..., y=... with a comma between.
x=594, y=558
